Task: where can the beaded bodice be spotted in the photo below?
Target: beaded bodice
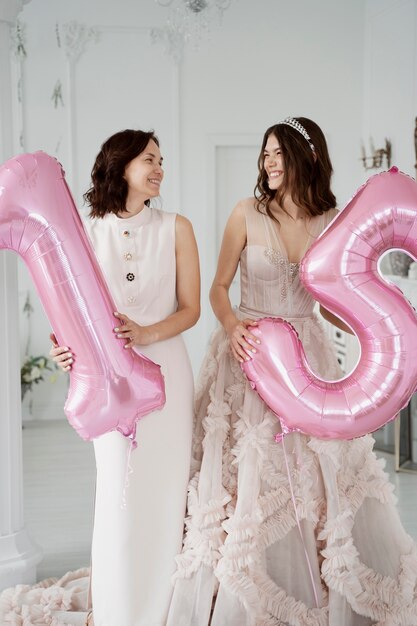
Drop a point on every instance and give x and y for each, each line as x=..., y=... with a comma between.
x=270, y=283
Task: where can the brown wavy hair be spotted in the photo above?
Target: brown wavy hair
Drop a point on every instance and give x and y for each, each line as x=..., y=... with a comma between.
x=108, y=191
x=306, y=176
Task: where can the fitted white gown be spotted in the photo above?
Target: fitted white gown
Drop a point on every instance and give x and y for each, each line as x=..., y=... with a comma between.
x=134, y=547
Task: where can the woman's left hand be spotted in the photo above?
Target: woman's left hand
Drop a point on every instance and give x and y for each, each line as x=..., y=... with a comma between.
x=134, y=334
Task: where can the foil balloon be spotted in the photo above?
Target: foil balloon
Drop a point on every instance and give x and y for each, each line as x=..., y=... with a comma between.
x=341, y=272
x=110, y=387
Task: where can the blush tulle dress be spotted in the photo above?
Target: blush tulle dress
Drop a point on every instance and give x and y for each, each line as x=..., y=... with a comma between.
x=244, y=561
x=138, y=527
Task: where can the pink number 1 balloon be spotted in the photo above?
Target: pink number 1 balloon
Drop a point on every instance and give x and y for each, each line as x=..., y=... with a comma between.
x=110, y=387
x=340, y=270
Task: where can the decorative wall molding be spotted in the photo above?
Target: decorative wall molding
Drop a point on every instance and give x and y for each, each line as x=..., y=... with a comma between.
x=18, y=39
x=18, y=58
x=172, y=40
x=10, y=9
x=56, y=97
x=75, y=37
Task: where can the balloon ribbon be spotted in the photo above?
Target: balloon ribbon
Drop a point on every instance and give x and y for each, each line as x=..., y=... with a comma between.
x=281, y=438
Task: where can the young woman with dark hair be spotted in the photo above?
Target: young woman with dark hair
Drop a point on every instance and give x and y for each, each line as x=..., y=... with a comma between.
x=306, y=538
x=109, y=187
x=306, y=179
x=150, y=261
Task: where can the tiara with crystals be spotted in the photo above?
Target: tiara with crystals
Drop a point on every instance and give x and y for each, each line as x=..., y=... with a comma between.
x=290, y=121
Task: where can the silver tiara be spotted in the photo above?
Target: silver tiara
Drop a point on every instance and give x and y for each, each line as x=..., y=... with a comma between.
x=290, y=121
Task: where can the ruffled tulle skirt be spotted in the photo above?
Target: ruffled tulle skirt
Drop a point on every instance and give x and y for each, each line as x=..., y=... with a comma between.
x=52, y=602
x=299, y=533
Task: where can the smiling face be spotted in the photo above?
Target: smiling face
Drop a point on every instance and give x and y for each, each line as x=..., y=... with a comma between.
x=144, y=173
x=273, y=162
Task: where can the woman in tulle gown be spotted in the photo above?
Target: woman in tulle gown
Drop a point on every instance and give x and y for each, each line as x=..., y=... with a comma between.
x=250, y=558
x=150, y=261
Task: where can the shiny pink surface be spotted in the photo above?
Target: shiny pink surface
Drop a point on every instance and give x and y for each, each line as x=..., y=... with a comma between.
x=340, y=271
x=110, y=387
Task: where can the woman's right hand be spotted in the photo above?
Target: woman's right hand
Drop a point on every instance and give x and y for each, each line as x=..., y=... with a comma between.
x=242, y=341
x=60, y=355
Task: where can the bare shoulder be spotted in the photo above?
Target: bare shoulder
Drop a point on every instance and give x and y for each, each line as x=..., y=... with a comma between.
x=184, y=234
x=182, y=225
x=235, y=231
x=243, y=206
x=240, y=211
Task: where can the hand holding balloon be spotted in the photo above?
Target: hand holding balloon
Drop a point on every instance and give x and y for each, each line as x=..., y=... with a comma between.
x=241, y=339
x=135, y=334
x=60, y=355
x=340, y=270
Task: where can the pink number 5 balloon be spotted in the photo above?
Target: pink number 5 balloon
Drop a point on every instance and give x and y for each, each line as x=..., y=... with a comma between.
x=110, y=387
x=340, y=270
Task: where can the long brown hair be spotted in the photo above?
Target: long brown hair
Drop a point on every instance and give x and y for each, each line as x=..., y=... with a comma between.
x=108, y=191
x=307, y=174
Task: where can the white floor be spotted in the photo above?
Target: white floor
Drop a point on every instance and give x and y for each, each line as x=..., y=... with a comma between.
x=59, y=491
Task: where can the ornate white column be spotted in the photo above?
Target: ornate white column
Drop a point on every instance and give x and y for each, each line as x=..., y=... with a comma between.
x=19, y=554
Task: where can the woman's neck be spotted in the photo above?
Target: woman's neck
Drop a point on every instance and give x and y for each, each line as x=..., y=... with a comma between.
x=290, y=210
x=133, y=207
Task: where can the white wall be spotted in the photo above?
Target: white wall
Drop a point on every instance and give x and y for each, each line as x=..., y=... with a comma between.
x=267, y=60
x=390, y=78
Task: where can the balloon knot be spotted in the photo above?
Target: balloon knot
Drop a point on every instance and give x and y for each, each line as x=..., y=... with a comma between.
x=133, y=441
x=394, y=169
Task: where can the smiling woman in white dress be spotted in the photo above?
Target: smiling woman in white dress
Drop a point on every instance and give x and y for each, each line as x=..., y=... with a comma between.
x=150, y=261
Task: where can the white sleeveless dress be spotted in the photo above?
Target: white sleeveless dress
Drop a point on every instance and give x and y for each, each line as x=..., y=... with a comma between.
x=244, y=562
x=134, y=548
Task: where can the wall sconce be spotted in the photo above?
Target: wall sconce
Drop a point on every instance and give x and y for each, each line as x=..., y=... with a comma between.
x=375, y=159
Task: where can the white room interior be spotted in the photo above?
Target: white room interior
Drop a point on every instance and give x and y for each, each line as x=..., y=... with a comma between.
x=75, y=72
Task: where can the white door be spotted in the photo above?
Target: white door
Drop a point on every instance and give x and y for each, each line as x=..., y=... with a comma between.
x=236, y=175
